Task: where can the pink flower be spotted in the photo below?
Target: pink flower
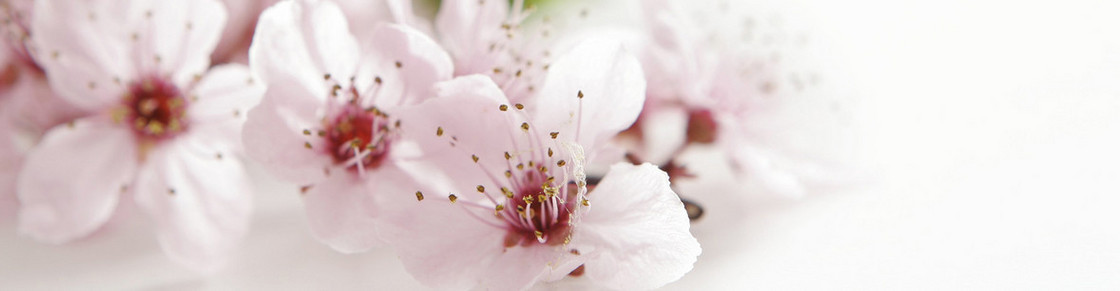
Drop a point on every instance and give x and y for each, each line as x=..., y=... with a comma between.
x=164, y=130
x=330, y=118
x=509, y=205
x=716, y=78
x=487, y=37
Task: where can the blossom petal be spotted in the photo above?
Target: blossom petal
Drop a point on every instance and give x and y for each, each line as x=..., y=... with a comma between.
x=409, y=63
x=200, y=203
x=225, y=95
x=462, y=123
x=82, y=45
x=365, y=15
x=304, y=40
x=664, y=130
x=467, y=252
x=613, y=89
x=183, y=35
x=635, y=236
x=766, y=169
x=341, y=212
x=274, y=134
x=462, y=24
x=71, y=181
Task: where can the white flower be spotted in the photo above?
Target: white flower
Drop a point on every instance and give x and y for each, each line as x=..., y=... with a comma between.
x=165, y=129
x=330, y=118
x=507, y=204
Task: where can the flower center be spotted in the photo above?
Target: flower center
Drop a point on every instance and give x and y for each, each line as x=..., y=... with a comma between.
x=702, y=126
x=540, y=207
x=359, y=137
x=155, y=108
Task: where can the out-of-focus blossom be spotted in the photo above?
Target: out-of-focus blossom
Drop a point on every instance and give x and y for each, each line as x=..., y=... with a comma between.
x=164, y=129
x=518, y=209
x=715, y=76
x=331, y=116
x=488, y=38
x=28, y=106
x=363, y=16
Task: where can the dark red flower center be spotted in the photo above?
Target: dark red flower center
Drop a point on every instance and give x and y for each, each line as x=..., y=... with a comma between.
x=156, y=109
x=359, y=136
x=542, y=208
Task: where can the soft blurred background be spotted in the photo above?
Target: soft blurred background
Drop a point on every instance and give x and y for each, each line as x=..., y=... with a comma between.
x=985, y=134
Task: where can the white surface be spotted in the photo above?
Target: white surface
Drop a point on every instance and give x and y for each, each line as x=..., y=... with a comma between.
x=994, y=130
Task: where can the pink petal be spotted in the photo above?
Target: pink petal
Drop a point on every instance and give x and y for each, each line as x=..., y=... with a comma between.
x=274, y=134
x=463, y=25
x=342, y=211
x=183, y=35
x=84, y=57
x=31, y=104
x=225, y=95
x=443, y=247
x=365, y=15
x=200, y=202
x=70, y=182
x=635, y=236
x=422, y=64
x=611, y=81
x=467, y=114
x=303, y=40
x=758, y=166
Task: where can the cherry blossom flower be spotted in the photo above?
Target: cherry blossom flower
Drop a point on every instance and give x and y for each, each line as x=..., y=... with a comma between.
x=716, y=76
x=330, y=117
x=164, y=131
x=488, y=37
x=509, y=205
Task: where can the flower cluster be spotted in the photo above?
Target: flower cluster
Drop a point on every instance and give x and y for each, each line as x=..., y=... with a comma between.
x=467, y=141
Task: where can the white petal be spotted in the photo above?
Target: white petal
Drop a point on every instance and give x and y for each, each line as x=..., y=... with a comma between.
x=183, y=34
x=462, y=25
x=422, y=63
x=342, y=213
x=225, y=95
x=613, y=90
x=274, y=134
x=200, y=203
x=365, y=15
x=635, y=236
x=466, y=114
x=759, y=167
x=71, y=181
x=305, y=40
x=84, y=47
x=664, y=130
x=443, y=247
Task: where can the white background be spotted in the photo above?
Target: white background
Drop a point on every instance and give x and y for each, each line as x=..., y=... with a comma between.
x=989, y=129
